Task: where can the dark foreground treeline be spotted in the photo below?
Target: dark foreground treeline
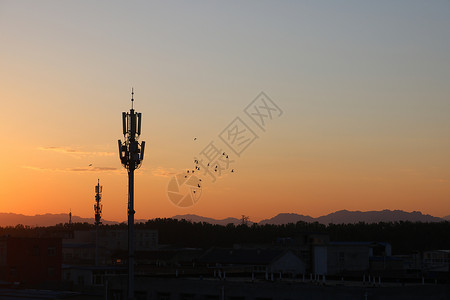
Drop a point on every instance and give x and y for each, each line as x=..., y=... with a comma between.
x=404, y=237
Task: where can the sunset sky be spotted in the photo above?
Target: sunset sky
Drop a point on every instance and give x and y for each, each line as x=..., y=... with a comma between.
x=363, y=86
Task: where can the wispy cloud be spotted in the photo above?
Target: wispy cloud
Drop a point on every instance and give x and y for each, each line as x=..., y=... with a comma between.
x=409, y=171
x=76, y=152
x=164, y=172
x=36, y=168
x=66, y=170
x=94, y=169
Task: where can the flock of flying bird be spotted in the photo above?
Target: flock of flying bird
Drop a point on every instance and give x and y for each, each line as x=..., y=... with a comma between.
x=198, y=168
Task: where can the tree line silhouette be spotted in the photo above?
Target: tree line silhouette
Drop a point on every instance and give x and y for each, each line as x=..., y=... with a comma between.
x=405, y=237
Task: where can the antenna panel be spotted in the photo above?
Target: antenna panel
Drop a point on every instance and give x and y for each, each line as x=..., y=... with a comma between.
x=133, y=123
x=124, y=123
x=139, y=117
x=120, y=149
x=142, y=150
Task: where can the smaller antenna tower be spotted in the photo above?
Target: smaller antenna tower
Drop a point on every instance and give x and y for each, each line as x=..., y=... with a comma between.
x=98, y=206
x=70, y=217
x=98, y=215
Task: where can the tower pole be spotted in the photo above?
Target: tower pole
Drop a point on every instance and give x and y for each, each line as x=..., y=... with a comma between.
x=96, y=245
x=131, y=234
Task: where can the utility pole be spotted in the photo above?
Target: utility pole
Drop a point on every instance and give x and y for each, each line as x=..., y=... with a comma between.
x=131, y=154
x=98, y=215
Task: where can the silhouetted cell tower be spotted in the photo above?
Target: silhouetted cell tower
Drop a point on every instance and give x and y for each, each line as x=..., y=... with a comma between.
x=98, y=206
x=131, y=154
x=98, y=215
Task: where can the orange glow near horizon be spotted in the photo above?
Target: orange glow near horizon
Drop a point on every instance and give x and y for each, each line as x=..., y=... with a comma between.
x=365, y=121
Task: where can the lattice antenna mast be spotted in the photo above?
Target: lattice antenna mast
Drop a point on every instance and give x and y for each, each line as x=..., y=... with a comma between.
x=98, y=206
x=98, y=215
x=131, y=154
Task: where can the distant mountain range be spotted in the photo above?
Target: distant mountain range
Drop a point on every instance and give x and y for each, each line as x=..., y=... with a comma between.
x=338, y=217
x=11, y=219
x=346, y=217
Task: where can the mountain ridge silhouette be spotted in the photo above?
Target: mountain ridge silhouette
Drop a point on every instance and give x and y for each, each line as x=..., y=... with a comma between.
x=337, y=217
